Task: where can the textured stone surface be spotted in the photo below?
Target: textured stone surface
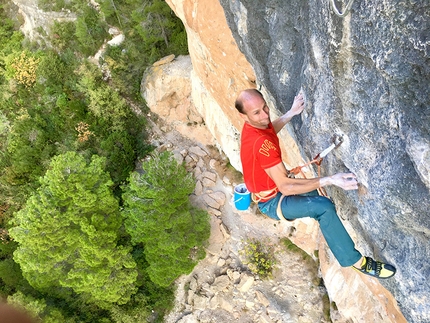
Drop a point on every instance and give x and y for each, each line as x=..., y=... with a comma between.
x=166, y=88
x=36, y=20
x=369, y=296
x=366, y=77
x=220, y=70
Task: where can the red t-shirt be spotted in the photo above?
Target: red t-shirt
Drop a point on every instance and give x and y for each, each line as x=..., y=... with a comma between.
x=259, y=150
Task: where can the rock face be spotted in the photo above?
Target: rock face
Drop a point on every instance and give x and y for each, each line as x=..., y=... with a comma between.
x=167, y=91
x=229, y=229
x=36, y=19
x=365, y=77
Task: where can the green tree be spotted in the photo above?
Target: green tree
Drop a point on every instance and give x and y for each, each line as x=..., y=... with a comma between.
x=119, y=151
x=159, y=30
x=67, y=233
x=10, y=273
x=90, y=30
x=22, y=67
x=104, y=103
x=158, y=214
x=10, y=41
x=63, y=35
x=151, y=31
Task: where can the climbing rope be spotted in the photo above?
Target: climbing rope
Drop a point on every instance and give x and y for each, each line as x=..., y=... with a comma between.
x=336, y=142
x=345, y=12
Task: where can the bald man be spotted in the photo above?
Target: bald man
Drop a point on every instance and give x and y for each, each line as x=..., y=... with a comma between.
x=279, y=196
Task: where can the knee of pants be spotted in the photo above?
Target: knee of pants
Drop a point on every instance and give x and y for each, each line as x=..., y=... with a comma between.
x=325, y=206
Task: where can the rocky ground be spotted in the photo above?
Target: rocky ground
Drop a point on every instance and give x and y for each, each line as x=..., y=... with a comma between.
x=221, y=287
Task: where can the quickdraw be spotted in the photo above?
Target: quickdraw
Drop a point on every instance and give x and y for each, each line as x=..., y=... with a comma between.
x=336, y=142
x=345, y=12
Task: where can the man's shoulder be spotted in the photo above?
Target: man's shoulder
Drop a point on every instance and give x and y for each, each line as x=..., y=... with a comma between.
x=255, y=137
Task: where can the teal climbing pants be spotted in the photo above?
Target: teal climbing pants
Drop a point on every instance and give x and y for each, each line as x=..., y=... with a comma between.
x=323, y=210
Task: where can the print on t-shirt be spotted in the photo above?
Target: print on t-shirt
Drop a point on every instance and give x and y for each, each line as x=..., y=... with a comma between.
x=265, y=148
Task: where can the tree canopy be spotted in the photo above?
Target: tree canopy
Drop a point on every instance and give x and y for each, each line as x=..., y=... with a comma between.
x=68, y=233
x=158, y=214
x=70, y=134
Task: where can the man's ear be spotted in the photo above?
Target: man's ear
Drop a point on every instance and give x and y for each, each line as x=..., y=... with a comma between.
x=244, y=117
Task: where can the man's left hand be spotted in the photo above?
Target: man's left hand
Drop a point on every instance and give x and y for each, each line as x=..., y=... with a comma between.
x=346, y=181
x=298, y=105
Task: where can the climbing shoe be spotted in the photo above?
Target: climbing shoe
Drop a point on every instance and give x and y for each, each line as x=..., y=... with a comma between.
x=376, y=268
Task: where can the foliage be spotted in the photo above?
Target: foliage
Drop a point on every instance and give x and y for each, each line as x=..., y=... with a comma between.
x=27, y=146
x=158, y=300
x=22, y=67
x=260, y=257
x=65, y=106
x=57, y=5
x=56, y=73
x=10, y=39
x=67, y=233
x=11, y=278
x=118, y=148
x=34, y=307
x=144, y=306
x=67, y=110
x=91, y=30
x=10, y=275
x=151, y=31
x=37, y=308
x=135, y=311
x=105, y=104
x=160, y=28
x=158, y=214
x=63, y=35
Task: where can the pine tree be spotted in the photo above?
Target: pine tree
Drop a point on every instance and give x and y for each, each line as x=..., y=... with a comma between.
x=159, y=215
x=67, y=233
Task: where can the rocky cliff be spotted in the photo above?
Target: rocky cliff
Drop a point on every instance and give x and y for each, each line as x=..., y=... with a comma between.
x=365, y=77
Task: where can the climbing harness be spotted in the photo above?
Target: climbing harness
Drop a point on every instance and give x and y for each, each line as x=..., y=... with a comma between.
x=345, y=12
x=336, y=142
x=264, y=196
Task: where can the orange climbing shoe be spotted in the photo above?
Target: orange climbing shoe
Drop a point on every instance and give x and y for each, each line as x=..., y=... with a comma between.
x=376, y=268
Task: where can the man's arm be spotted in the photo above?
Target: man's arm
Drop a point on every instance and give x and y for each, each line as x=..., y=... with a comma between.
x=294, y=186
x=296, y=108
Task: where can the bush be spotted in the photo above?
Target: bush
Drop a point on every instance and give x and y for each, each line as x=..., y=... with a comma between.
x=91, y=31
x=63, y=35
x=22, y=67
x=259, y=257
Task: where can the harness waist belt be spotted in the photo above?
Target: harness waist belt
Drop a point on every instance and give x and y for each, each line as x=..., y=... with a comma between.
x=264, y=196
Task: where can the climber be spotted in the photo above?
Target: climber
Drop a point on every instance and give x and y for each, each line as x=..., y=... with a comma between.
x=279, y=196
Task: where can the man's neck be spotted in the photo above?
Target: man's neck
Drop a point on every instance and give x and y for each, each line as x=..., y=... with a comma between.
x=258, y=127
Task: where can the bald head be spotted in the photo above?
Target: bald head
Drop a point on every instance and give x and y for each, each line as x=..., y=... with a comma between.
x=244, y=96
